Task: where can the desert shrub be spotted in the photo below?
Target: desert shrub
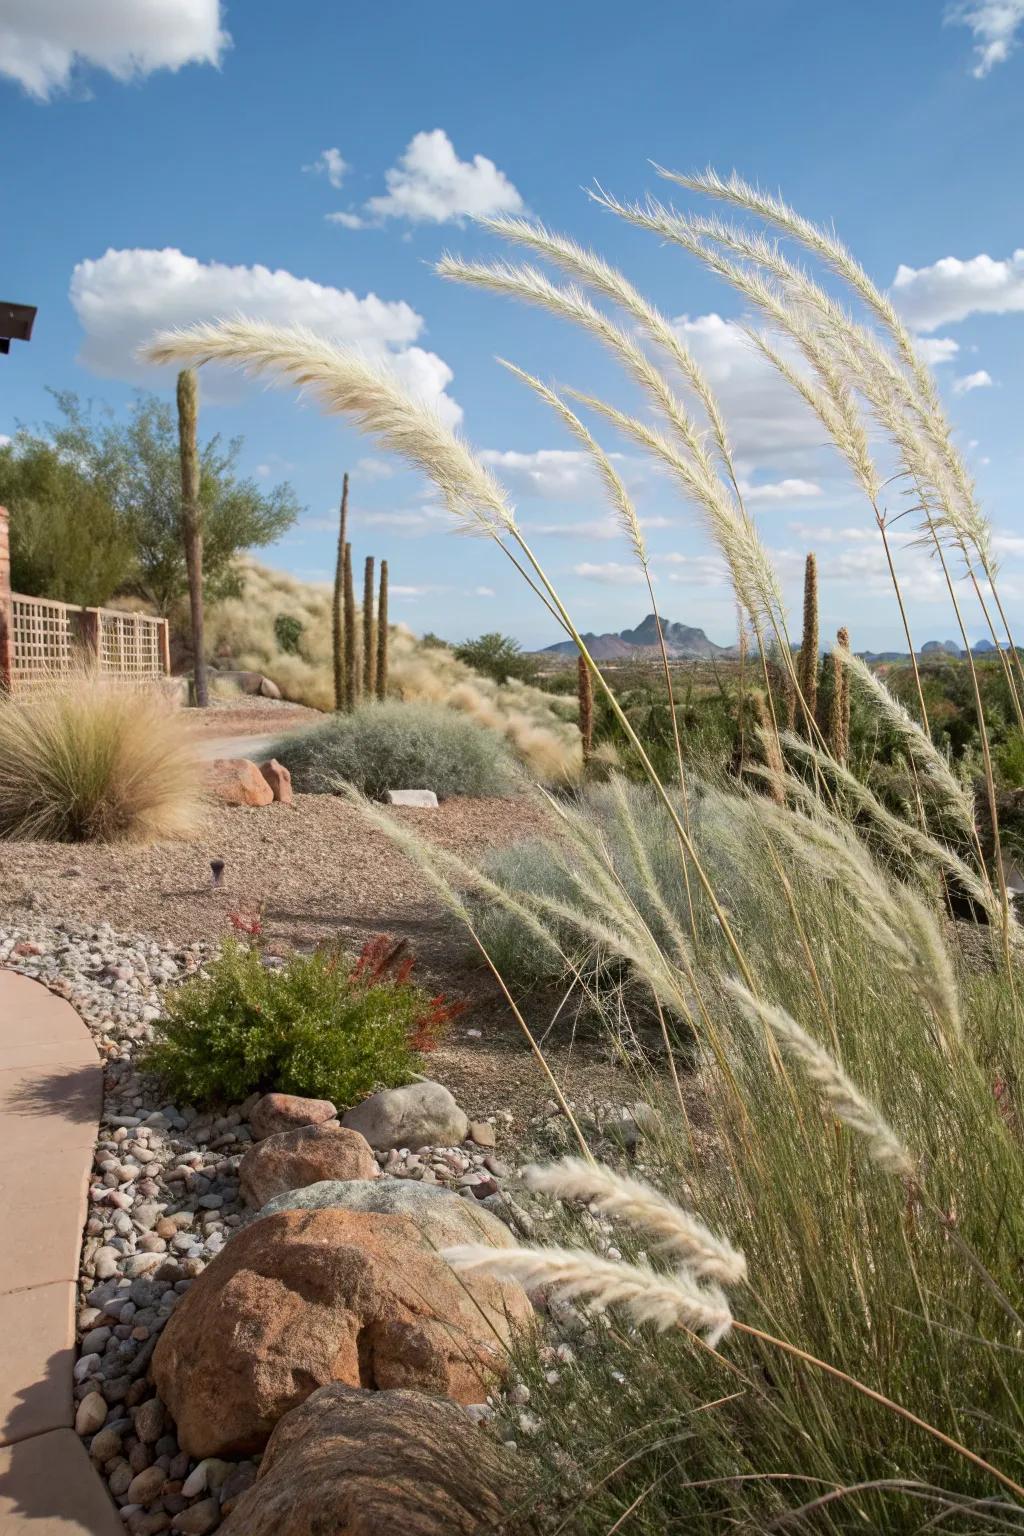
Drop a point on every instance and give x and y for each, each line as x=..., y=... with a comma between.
x=320, y=1025
x=399, y=746
x=288, y=632
x=539, y=728
x=82, y=760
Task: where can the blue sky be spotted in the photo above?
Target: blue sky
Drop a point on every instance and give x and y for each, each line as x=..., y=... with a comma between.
x=183, y=159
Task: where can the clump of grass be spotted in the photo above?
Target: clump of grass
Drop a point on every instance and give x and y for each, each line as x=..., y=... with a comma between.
x=322, y=1025
x=83, y=760
x=378, y=747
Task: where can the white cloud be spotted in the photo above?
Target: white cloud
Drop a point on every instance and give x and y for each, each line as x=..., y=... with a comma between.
x=374, y=469
x=484, y=592
x=43, y=42
x=597, y=528
x=995, y=24
x=330, y=163
x=937, y=349
x=969, y=381
x=431, y=185
x=951, y=289
x=557, y=472
x=611, y=574
x=780, y=490
x=765, y=417
x=122, y=298
x=1008, y=543
x=4, y=440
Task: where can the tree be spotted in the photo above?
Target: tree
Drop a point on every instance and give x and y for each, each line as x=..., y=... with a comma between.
x=497, y=656
x=192, y=521
x=68, y=540
x=137, y=467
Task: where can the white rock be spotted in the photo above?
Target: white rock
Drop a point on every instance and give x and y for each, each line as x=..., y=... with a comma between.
x=420, y=799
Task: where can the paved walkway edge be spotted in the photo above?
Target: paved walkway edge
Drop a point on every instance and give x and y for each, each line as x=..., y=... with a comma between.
x=51, y=1096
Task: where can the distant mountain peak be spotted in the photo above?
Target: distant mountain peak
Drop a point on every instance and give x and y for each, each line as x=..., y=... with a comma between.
x=682, y=642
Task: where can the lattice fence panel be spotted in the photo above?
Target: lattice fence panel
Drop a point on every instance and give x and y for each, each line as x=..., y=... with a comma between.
x=130, y=645
x=44, y=639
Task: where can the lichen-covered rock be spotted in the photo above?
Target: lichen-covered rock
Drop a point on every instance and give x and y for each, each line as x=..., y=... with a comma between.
x=419, y=1115
x=303, y=1298
x=443, y=1217
x=292, y=1159
x=277, y=1112
x=364, y=1463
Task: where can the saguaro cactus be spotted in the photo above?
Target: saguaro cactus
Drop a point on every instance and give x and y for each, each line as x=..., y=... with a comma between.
x=585, y=692
x=369, y=649
x=337, y=634
x=191, y=521
x=839, y=708
x=808, y=669
x=351, y=659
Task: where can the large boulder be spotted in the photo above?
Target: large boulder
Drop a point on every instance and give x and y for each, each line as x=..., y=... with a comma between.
x=350, y=1463
x=279, y=778
x=303, y=1298
x=445, y=1219
x=293, y=1159
x=277, y=1112
x=237, y=781
x=422, y=1114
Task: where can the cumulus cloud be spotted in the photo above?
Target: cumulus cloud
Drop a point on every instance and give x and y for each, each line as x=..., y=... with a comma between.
x=951, y=289
x=431, y=185
x=330, y=163
x=611, y=574
x=937, y=349
x=124, y=296
x=375, y=469
x=766, y=419
x=484, y=592
x=780, y=490
x=995, y=25
x=558, y=472
x=969, y=381
x=43, y=43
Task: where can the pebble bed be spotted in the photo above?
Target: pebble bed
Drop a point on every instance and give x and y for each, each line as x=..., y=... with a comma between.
x=164, y=1200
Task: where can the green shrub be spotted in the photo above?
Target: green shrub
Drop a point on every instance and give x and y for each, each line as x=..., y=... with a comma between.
x=318, y=1026
x=497, y=656
x=400, y=746
x=288, y=631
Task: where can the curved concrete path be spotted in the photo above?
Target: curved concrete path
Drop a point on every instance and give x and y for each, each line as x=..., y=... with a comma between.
x=51, y=1093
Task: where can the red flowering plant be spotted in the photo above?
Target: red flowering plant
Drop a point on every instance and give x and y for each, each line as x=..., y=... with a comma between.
x=387, y=961
x=250, y=922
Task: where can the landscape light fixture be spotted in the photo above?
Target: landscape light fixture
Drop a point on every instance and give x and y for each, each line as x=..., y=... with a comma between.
x=16, y=322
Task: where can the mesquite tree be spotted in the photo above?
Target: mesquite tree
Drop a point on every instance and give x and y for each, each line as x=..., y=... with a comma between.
x=337, y=636
x=191, y=520
x=382, y=633
x=369, y=650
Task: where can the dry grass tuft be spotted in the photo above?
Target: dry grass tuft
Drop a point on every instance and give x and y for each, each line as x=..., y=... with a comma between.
x=84, y=761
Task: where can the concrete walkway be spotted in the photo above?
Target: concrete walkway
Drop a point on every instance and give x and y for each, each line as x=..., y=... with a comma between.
x=51, y=1091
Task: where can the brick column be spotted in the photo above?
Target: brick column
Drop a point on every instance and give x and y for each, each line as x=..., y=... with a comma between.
x=6, y=609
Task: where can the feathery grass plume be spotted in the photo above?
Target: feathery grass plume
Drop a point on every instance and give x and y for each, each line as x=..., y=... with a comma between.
x=369, y=637
x=585, y=695
x=344, y=382
x=649, y=881
x=933, y=767
x=768, y=736
x=676, y=1232
x=645, y=1295
x=839, y=704
x=591, y=269
x=619, y=497
x=338, y=603
x=533, y=287
x=382, y=634
x=808, y=673
x=903, y=836
x=848, y=1103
